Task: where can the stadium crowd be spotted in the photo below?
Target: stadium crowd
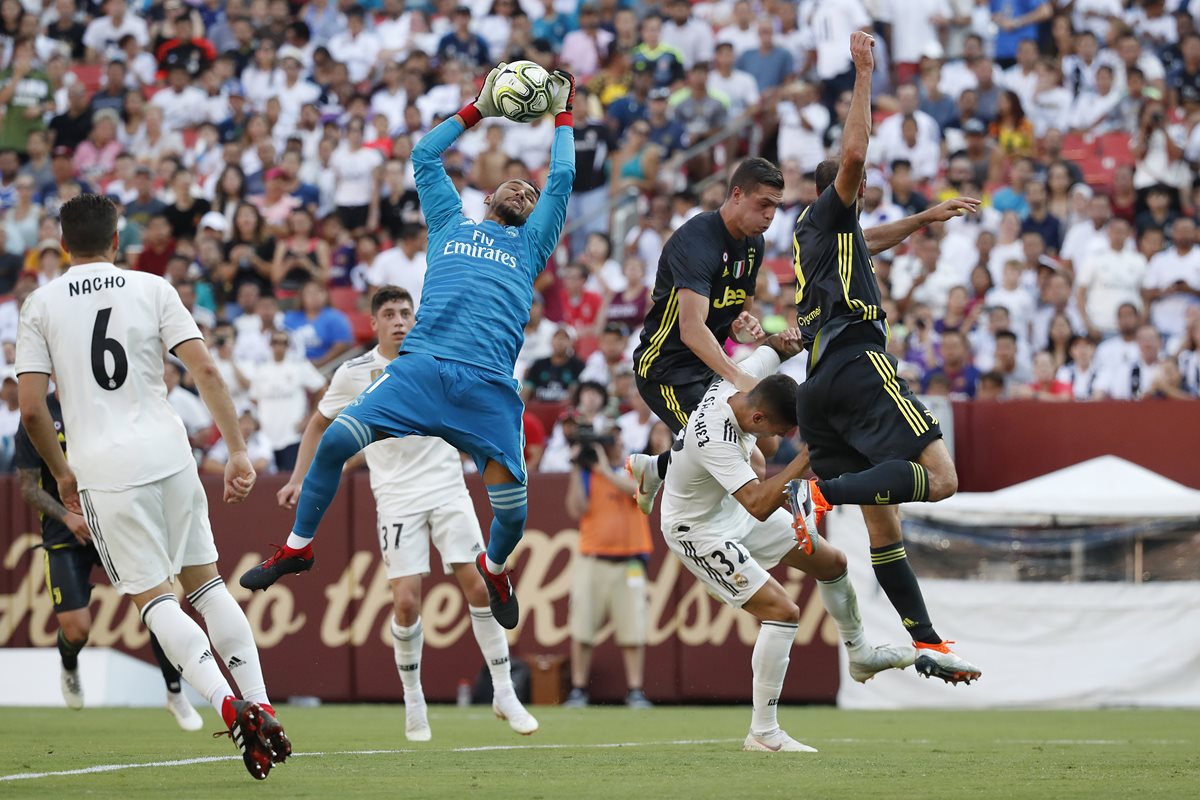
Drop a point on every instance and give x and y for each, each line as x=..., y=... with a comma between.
x=260, y=153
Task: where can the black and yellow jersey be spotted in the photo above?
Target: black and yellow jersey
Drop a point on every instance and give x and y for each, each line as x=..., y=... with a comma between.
x=835, y=279
x=25, y=456
x=703, y=257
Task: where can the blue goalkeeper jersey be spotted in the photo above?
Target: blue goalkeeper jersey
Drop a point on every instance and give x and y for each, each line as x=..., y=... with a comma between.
x=479, y=276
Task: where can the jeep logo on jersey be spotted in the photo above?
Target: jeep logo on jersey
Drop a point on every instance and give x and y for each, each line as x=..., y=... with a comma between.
x=732, y=297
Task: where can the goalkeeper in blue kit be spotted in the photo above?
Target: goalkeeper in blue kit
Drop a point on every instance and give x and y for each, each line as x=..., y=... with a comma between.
x=453, y=378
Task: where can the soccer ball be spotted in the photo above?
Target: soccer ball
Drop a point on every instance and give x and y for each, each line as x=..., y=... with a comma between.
x=522, y=91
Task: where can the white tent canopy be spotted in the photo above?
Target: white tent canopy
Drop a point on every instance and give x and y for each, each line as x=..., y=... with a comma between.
x=1104, y=489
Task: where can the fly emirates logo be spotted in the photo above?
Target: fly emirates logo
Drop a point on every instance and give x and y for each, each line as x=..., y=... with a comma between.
x=481, y=246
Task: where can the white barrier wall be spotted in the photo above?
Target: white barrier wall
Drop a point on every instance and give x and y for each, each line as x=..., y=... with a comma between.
x=1039, y=645
x=110, y=678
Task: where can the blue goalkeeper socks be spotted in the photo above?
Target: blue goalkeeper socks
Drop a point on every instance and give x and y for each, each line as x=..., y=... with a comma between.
x=510, y=506
x=345, y=437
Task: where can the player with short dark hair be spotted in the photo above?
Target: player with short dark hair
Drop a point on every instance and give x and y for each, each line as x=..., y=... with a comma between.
x=871, y=441
x=703, y=294
x=101, y=331
x=453, y=377
x=70, y=554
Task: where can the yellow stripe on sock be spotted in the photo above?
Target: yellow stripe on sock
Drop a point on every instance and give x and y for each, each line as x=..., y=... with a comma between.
x=898, y=557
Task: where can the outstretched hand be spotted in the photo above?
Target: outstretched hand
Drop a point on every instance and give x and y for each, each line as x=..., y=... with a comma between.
x=746, y=328
x=483, y=101
x=563, y=91
x=954, y=207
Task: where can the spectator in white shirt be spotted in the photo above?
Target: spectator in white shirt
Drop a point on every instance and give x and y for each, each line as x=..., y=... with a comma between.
x=1084, y=236
x=182, y=104
x=403, y=264
x=1109, y=276
x=693, y=37
x=1098, y=111
x=281, y=387
x=1022, y=77
x=356, y=47
x=1050, y=108
x=739, y=86
x=358, y=171
x=1120, y=350
x=257, y=447
x=1172, y=281
x=191, y=410
x=1011, y=295
x=914, y=24
x=1132, y=381
x=924, y=156
x=1080, y=370
x=103, y=34
x=802, y=124
x=742, y=33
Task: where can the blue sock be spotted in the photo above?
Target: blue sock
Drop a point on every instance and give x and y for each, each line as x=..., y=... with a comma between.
x=510, y=505
x=345, y=437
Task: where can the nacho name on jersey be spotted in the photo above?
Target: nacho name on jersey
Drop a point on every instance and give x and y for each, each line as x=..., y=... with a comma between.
x=78, y=287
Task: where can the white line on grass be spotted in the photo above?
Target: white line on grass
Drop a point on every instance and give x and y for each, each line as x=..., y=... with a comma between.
x=183, y=762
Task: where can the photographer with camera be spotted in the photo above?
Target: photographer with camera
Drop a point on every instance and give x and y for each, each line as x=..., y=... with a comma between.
x=608, y=579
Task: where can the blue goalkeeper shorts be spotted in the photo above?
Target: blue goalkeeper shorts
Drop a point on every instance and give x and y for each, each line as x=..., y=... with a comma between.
x=473, y=410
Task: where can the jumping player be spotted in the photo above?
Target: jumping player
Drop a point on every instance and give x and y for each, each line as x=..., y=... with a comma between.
x=453, y=377
x=871, y=441
x=101, y=331
x=419, y=494
x=728, y=528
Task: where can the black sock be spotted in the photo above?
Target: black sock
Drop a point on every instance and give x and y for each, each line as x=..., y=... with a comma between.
x=885, y=484
x=169, y=673
x=899, y=583
x=69, y=652
x=664, y=459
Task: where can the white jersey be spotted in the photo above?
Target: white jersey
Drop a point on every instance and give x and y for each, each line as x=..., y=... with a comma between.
x=715, y=459
x=417, y=473
x=101, y=331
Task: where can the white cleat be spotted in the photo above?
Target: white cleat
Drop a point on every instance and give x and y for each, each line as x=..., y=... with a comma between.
x=416, y=721
x=867, y=662
x=938, y=661
x=775, y=742
x=188, y=718
x=644, y=471
x=508, y=707
x=72, y=688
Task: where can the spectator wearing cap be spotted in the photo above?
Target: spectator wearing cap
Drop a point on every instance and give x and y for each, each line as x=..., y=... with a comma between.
x=71, y=127
x=213, y=225
x=663, y=131
x=701, y=114
x=463, y=45
x=96, y=156
x=666, y=61
x=583, y=49
x=103, y=34
x=551, y=379
x=188, y=49
x=738, y=86
x=635, y=104
x=356, y=47
x=25, y=96
x=233, y=127
x=687, y=34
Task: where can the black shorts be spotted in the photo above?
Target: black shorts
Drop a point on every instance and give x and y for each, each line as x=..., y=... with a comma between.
x=353, y=217
x=69, y=576
x=674, y=404
x=855, y=412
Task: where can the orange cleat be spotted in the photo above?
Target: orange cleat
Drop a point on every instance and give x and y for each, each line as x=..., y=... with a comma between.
x=938, y=661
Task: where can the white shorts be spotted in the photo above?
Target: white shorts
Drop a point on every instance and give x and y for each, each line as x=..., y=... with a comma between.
x=404, y=536
x=146, y=534
x=732, y=560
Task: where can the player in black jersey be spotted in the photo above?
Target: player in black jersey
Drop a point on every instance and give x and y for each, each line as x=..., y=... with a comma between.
x=703, y=295
x=70, y=555
x=871, y=441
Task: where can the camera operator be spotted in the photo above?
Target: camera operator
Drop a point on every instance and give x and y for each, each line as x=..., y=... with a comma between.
x=608, y=579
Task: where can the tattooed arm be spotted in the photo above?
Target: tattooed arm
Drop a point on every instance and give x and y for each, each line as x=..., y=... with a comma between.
x=44, y=502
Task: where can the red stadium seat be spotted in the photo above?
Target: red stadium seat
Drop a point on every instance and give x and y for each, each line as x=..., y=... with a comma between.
x=360, y=326
x=90, y=75
x=344, y=299
x=547, y=413
x=782, y=267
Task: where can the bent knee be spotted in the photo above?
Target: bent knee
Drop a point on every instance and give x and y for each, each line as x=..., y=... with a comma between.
x=832, y=564
x=77, y=633
x=782, y=612
x=943, y=483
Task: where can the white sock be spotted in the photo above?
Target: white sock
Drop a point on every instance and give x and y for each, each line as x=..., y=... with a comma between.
x=494, y=646
x=772, y=651
x=231, y=637
x=842, y=604
x=493, y=567
x=407, y=643
x=186, y=645
x=298, y=542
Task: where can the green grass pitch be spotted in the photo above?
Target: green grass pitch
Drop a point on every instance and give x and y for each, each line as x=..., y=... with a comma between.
x=667, y=752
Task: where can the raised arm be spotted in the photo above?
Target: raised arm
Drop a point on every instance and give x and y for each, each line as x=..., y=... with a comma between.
x=857, y=131
x=889, y=234
x=546, y=222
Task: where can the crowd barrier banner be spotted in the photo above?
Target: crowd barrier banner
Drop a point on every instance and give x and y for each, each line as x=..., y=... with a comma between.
x=1039, y=645
x=325, y=633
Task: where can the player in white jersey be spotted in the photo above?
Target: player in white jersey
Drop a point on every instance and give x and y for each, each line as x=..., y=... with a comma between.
x=101, y=332
x=728, y=528
x=419, y=494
